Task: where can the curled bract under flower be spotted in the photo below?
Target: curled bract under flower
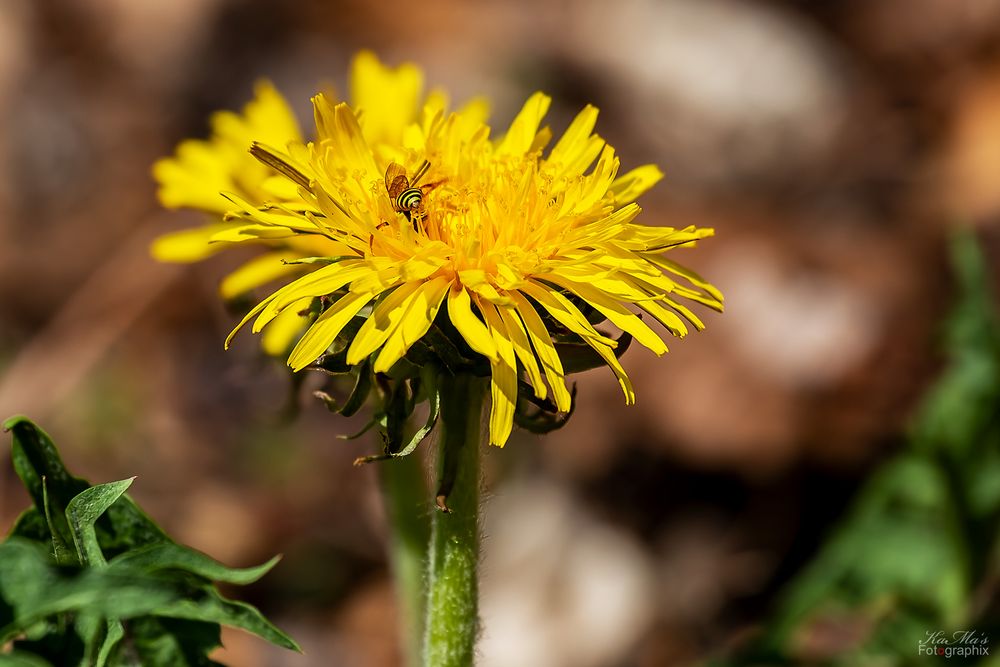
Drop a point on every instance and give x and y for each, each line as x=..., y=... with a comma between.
x=513, y=250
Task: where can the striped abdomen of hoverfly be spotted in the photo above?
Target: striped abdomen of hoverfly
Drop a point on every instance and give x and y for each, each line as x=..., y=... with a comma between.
x=406, y=195
x=409, y=200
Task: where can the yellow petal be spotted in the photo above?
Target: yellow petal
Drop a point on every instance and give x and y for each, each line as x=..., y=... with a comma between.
x=352, y=148
x=503, y=382
x=576, y=137
x=284, y=329
x=383, y=321
x=468, y=325
x=472, y=116
x=188, y=245
x=687, y=273
x=542, y=341
x=674, y=324
x=417, y=318
x=618, y=314
x=522, y=348
x=521, y=134
x=195, y=176
x=685, y=312
x=251, y=233
x=387, y=98
x=564, y=312
x=270, y=117
x=314, y=284
x=612, y=361
x=570, y=317
x=258, y=271
x=321, y=282
x=629, y=187
x=256, y=310
x=325, y=329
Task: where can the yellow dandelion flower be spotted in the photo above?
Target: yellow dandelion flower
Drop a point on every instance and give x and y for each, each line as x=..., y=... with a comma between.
x=205, y=174
x=513, y=247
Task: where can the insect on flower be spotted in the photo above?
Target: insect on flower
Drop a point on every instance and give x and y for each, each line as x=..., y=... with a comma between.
x=407, y=196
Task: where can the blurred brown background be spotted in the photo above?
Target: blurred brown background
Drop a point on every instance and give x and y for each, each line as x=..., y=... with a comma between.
x=830, y=143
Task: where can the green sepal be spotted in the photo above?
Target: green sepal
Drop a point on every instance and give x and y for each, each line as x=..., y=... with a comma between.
x=356, y=399
x=317, y=260
x=433, y=412
x=360, y=392
x=438, y=346
x=578, y=357
x=293, y=406
x=540, y=416
x=364, y=429
x=398, y=410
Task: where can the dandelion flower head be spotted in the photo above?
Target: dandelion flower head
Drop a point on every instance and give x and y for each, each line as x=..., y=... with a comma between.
x=516, y=245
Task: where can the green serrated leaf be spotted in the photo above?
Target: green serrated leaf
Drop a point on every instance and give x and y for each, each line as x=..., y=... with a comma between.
x=125, y=526
x=93, y=628
x=35, y=458
x=31, y=525
x=171, y=641
x=212, y=607
x=113, y=634
x=63, y=554
x=79, y=616
x=918, y=538
x=33, y=589
x=170, y=556
x=84, y=510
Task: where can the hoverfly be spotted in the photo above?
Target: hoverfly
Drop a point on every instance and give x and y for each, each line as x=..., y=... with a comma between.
x=406, y=195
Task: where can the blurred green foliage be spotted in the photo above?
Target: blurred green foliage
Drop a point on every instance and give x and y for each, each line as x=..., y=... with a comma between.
x=917, y=553
x=86, y=578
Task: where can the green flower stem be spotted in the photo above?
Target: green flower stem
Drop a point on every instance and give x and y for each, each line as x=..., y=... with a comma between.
x=452, y=598
x=405, y=491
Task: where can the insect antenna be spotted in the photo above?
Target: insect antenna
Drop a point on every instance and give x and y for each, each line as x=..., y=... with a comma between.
x=419, y=173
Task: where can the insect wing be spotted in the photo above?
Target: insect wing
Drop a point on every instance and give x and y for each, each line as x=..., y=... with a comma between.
x=395, y=180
